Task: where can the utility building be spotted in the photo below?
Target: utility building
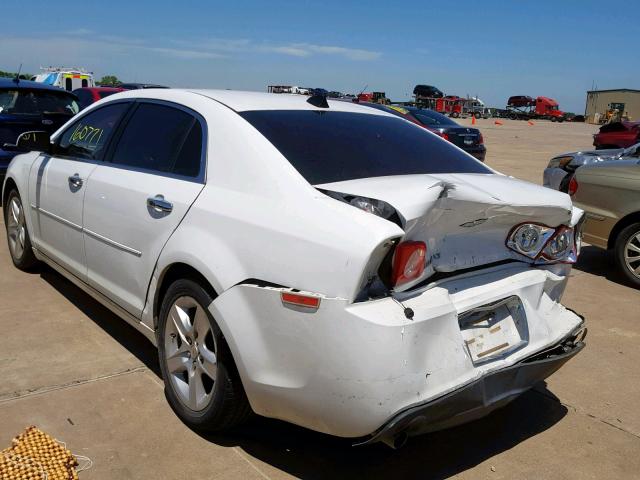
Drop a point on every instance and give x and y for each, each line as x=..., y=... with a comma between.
x=602, y=104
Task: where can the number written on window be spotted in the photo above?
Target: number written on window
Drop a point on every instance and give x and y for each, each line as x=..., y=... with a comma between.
x=88, y=137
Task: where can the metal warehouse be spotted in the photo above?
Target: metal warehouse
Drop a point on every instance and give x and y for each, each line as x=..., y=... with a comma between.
x=622, y=102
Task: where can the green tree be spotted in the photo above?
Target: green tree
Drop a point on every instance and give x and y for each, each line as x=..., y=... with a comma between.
x=110, y=80
x=23, y=76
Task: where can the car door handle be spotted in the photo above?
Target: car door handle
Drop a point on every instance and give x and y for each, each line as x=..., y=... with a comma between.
x=75, y=180
x=159, y=204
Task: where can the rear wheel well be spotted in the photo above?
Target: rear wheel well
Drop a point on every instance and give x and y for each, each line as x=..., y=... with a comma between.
x=178, y=271
x=622, y=223
x=8, y=186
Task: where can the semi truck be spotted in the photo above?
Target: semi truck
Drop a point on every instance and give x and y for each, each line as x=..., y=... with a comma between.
x=523, y=107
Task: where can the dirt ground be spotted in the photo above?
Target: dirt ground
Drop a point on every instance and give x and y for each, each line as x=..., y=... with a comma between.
x=81, y=374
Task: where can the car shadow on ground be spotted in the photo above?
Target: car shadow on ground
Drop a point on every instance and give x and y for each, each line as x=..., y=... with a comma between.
x=311, y=455
x=601, y=263
x=117, y=328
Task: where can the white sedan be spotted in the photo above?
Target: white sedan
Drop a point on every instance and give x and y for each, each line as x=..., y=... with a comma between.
x=319, y=262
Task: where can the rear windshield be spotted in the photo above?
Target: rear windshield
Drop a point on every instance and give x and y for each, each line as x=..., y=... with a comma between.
x=36, y=102
x=327, y=146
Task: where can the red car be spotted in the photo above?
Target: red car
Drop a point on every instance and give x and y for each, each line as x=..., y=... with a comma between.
x=617, y=135
x=88, y=95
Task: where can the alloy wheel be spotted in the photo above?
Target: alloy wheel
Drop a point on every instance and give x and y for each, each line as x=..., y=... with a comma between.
x=190, y=353
x=16, y=228
x=632, y=254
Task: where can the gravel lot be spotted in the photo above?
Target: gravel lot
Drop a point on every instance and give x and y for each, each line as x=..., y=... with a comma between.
x=75, y=370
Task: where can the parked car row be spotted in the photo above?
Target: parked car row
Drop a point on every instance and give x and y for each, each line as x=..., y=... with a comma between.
x=320, y=262
x=606, y=184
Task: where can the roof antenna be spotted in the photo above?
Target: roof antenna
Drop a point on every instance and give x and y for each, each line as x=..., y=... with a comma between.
x=319, y=98
x=17, y=79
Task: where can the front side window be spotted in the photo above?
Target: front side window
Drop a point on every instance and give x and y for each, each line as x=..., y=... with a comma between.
x=326, y=146
x=88, y=137
x=163, y=139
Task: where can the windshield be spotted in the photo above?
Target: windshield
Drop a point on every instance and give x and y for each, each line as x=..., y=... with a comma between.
x=431, y=118
x=36, y=102
x=326, y=146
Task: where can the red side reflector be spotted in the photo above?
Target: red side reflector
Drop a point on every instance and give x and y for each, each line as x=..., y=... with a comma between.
x=300, y=300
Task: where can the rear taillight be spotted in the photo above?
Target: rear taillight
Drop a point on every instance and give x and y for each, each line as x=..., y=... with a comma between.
x=408, y=262
x=444, y=135
x=480, y=139
x=573, y=186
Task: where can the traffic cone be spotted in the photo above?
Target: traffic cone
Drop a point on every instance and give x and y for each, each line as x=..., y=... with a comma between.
x=498, y=122
x=473, y=119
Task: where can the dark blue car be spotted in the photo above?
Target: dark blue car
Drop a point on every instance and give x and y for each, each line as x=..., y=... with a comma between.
x=26, y=106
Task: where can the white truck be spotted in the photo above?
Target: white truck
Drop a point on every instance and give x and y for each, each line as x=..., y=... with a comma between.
x=66, y=78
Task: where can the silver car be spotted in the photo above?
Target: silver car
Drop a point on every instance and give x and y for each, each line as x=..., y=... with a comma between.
x=562, y=167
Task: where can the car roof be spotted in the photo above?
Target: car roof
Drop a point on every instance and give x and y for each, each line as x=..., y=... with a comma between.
x=28, y=85
x=241, y=101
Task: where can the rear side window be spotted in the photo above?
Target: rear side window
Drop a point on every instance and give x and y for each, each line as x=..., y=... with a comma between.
x=327, y=146
x=162, y=139
x=88, y=137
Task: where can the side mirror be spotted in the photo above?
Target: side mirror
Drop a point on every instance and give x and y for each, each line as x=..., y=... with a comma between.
x=34, y=141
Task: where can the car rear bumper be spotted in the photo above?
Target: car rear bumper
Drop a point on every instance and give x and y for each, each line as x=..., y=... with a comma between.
x=480, y=397
x=348, y=368
x=478, y=152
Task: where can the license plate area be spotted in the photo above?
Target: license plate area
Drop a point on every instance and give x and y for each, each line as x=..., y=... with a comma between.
x=494, y=330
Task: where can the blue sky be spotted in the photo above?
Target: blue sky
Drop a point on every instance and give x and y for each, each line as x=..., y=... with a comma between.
x=492, y=49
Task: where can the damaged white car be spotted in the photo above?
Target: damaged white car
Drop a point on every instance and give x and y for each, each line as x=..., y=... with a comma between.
x=326, y=264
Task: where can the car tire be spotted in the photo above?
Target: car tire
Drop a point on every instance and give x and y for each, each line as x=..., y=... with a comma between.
x=477, y=115
x=18, y=238
x=202, y=383
x=627, y=249
x=553, y=119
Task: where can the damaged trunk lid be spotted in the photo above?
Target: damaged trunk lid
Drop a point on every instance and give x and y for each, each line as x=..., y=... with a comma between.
x=464, y=219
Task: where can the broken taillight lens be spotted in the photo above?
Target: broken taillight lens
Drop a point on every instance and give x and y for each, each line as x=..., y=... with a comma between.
x=408, y=262
x=545, y=244
x=573, y=186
